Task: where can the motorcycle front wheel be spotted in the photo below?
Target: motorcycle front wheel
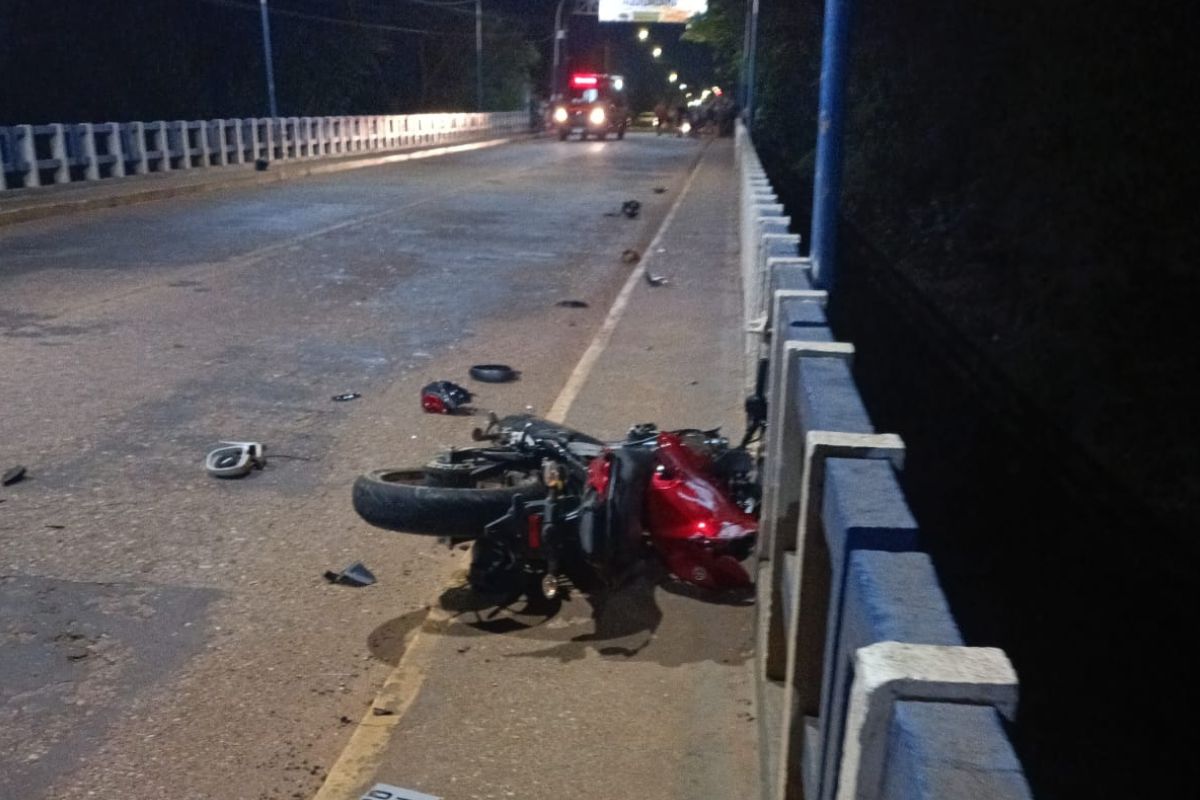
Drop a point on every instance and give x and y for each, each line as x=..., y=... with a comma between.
x=417, y=500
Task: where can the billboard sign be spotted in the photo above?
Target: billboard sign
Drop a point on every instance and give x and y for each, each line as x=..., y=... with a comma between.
x=650, y=11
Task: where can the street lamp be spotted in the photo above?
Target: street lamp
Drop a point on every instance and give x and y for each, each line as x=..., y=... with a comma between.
x=266, y=40
x=674, y=76
x=479, y=55
x=643, y=34
x=560, y=38
x=656, y=52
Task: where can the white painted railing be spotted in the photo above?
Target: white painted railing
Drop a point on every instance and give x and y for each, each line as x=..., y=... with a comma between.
x=866, y=689
x=44, y=155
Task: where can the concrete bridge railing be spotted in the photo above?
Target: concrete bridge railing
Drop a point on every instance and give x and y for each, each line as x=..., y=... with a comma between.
x=866, y=690
x=43, y=155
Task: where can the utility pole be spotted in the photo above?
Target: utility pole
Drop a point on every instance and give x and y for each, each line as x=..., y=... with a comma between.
x=827, y=179
x=479, y=55
x=751, y=40
x=266, y=36
x=560, y=43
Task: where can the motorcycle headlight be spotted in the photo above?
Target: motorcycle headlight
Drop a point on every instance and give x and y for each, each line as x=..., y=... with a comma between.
x=686, y=127
x=596, y=117
x=560, y=114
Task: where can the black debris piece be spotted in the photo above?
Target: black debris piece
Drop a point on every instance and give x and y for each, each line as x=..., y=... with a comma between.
x=13, y=475
x=341, y=398
x=631, y=256
x=659, y=189
x=631, y=208
x=261, y=164
x=356, y=574
x=444, y=397
x=382, y=712
x=656, y=280
x=572, y=304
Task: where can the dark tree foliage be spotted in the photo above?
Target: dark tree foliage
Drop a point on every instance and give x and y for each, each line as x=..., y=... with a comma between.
x=1022, y=177
x=99, y=60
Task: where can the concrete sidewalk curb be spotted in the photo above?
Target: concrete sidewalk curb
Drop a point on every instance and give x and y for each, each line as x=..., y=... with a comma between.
x=56, y=207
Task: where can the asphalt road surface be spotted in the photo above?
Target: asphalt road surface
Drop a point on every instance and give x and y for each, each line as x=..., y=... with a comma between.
x=164, y=633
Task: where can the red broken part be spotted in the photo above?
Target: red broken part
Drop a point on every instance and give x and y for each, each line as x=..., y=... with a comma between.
x=444, y=397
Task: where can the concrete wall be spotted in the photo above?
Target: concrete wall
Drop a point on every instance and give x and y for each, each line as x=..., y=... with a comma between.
x=866, y=690
x=42, y=155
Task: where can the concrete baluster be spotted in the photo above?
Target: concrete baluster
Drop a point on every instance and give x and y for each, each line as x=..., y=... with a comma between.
x=889, y=672
x=239, y=140
x=116, y=147
x=26, y=152
x=58, y=152
x=87, y=142
x=135, y=152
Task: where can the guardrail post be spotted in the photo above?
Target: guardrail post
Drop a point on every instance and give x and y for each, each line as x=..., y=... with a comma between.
x=87, y=142
x=8, y=158
x=162, y=146
x=888, y=672
x=216, y=129
x=135, y=146
x=26, y=153
x=58, y=152
x=179, y=135
x=116, y=147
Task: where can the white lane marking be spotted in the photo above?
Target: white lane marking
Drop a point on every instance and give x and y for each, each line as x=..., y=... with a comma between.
x=558, y=411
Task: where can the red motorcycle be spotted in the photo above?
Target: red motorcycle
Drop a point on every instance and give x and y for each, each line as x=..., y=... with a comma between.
x=543, y=501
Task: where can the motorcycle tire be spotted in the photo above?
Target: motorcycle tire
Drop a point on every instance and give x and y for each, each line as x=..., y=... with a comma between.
x=412, y=501
x=493, y=373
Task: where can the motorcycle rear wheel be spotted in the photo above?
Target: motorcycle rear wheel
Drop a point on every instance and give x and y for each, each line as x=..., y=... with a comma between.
x=416, y=500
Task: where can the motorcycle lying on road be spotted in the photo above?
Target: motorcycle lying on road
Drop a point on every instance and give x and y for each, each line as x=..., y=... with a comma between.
x=542, y=501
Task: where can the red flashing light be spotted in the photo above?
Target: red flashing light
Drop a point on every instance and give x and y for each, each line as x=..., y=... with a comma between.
x=579, y=81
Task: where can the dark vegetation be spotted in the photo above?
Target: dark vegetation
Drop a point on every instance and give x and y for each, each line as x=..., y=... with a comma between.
x=101, y=60
x=1019, y=276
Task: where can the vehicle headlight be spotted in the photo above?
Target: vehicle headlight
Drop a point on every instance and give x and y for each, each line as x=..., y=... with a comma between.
x=560, y=114
x=686, y=127
x=596, y=117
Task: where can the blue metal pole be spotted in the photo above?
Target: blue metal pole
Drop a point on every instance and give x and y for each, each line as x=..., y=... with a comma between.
x=266, y=34
x=827, y=182
x=751, y=60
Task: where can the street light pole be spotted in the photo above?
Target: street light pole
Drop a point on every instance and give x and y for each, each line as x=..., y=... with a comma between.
x=751, y=48
x=560, y=41
x=831, y=113
x=266, y=36
x=478, y=55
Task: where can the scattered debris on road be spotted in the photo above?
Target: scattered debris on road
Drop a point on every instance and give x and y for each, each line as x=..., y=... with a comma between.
x=656, y=280
x=444, y=397
x=385, y=791
x=14, y=475
x=493, y=373
x=236, y=459
x=631, y=208
x=382, y=712
x=660, y=189
x=572, y=304
x=261, y=164
x=341, y=398
x=631, y=256
x=356, y=574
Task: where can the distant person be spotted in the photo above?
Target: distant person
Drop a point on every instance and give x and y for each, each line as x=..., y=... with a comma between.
x=662, y=117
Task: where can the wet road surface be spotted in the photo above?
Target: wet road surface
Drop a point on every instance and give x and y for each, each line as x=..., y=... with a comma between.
x=163, y=632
